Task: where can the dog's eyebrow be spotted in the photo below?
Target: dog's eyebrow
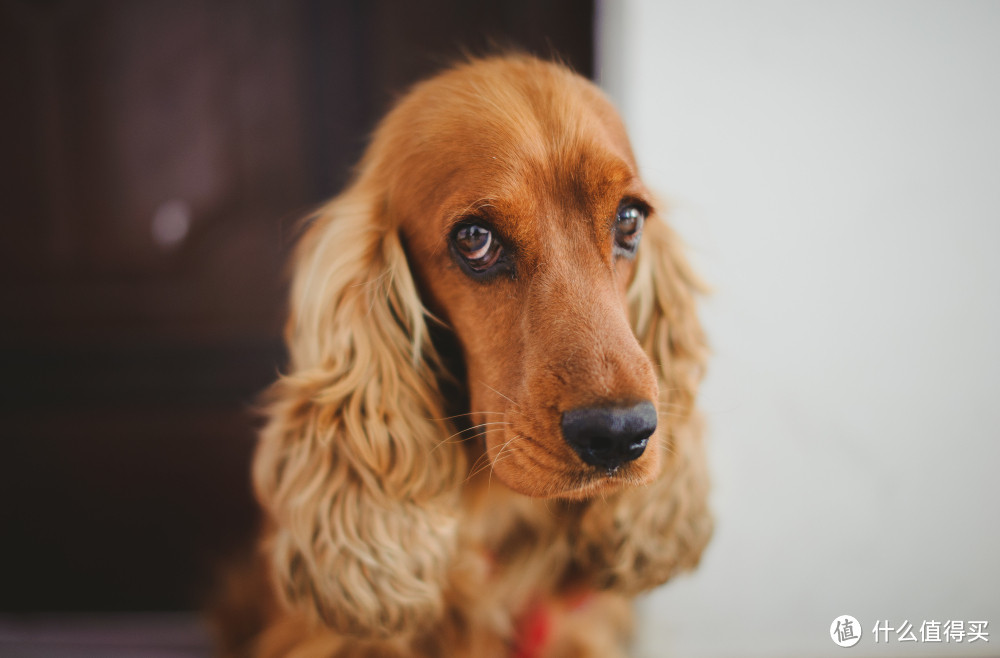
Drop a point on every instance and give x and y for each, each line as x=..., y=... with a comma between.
x=597, y=178
x=481, y=205
x=486, y=207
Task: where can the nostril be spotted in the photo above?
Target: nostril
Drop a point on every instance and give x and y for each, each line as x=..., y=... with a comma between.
x=609, y=436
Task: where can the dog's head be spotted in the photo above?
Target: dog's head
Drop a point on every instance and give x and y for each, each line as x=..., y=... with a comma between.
x=515, y=189
x=502, y=199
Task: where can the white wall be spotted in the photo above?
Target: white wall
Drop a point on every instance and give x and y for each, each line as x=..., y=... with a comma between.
x=835, y=169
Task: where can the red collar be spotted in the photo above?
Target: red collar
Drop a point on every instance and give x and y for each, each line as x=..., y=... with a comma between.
x=533, y=631
x=534, y=628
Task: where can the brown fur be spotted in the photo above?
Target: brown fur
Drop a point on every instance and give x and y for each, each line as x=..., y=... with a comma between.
x=394, y=530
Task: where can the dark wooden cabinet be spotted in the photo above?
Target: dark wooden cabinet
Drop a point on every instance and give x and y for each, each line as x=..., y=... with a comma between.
x=155, y=159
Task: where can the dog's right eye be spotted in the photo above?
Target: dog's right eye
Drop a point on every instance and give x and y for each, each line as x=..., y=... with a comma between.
x=477, y=247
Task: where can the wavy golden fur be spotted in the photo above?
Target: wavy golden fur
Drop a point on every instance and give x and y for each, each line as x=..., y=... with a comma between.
x=420, y=497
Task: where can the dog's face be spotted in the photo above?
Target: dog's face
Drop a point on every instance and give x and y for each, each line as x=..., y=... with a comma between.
x=520, y=205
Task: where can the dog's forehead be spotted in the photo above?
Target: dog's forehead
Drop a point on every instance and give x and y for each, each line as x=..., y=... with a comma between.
x=545, y=127
x=541, y=142
x=526, y=139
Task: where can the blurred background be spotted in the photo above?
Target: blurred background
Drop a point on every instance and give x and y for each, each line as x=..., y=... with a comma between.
x=835, y=170
x=834, y=167
x=156, y=158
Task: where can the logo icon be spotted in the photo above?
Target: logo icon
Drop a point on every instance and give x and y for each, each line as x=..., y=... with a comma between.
x=845, y=631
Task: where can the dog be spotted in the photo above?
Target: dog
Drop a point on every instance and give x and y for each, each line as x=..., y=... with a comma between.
x=486, y=442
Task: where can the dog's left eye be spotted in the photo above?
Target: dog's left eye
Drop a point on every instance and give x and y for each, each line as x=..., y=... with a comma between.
x=477, y=247
x=628, y=228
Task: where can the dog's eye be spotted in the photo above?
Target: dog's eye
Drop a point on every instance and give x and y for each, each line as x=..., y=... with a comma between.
x=628, y=228
x=477, y=246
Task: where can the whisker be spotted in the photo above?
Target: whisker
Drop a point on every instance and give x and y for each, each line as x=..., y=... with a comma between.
x=467, y=413
x=475, y=469
x=487, y=464
x=491, y=464
x=496, y=460
x=467, y=429
x=668, y=445
x=472, y=427
x=500, y=394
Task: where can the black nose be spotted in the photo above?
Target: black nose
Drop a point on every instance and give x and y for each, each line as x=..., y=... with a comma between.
x=607, y=437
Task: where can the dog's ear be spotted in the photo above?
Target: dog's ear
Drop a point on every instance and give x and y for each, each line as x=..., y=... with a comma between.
x=352, y=467
x=641, y=537
x=664, y=316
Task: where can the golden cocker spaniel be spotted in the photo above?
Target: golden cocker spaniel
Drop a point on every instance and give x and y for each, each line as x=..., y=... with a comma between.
x=486, y=442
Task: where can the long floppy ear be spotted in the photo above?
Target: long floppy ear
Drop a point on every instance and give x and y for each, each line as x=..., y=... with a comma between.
x=644, y=535
x=351, y=467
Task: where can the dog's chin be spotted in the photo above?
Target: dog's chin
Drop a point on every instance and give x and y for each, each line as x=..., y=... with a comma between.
x=536, y=475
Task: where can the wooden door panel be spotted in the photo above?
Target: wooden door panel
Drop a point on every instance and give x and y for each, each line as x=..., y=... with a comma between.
x=155, y=160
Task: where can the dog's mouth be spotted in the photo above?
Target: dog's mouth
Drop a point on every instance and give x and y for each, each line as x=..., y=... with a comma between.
x=538, y=468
